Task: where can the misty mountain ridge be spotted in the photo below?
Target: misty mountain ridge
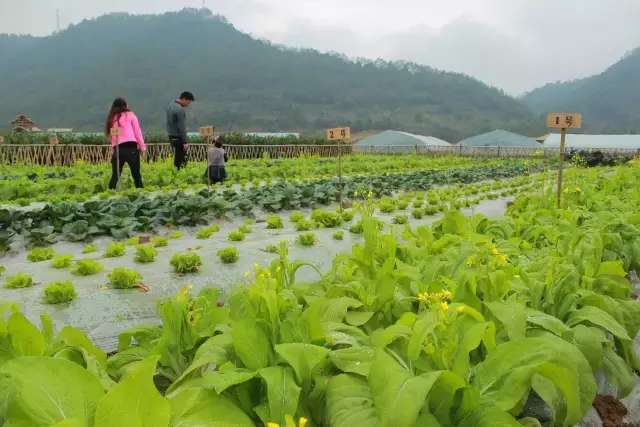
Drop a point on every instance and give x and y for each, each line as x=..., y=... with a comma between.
x=68, y=79
x=609, y=101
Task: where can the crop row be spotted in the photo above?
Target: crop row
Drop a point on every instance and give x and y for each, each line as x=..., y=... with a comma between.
x=462, y=323
x=140, y=212
x=26, y=184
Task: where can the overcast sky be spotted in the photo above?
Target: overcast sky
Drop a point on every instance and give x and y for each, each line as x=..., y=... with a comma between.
x=516, y=45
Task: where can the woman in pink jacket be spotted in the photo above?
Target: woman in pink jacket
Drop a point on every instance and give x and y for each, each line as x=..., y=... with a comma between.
x=127, y=145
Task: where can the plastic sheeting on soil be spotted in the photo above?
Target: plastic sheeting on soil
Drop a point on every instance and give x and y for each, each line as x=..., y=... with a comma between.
x=104, y=312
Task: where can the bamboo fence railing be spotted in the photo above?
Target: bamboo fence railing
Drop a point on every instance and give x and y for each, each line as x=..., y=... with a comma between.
x=68, y=155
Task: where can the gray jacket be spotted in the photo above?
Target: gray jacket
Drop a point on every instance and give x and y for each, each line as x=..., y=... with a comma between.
x=216, y=157
x=176, y=121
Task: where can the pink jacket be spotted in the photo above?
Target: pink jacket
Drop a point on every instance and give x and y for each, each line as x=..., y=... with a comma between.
x=129, y=130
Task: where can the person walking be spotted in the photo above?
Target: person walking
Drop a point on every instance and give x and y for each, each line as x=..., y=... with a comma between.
x=177, y=128
x=216, y=159
x=127, y=144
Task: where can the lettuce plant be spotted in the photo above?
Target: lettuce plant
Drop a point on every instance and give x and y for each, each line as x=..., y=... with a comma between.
x=3, y=269
x=417, y=213
x=62, y=261
x=40, y=254
x=89, y=248
x=347, y=215
x=159, y=241
x=338, y=235
x=59, y=292
x=326, y=219
x=145, y=254
x=124, y=278
x=206, y=232
x=176, y=234
x=305, y=225
x=387, y=205
x=400, y=219
x=245, y=228
x=229, y=255
x=87, y=267
x=115, y=250
x=236, y=236
x=133, y=241
x=296, y=216
x=186, y=262
x=307, y=239
x=274, y=222
x=18, y=281
x=402, y=205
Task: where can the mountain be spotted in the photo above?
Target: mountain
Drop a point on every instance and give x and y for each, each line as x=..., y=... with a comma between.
x=609, y=102
x=68, y=79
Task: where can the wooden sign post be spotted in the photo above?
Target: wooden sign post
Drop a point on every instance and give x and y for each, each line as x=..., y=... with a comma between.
x=206, y=132
x=563, y=121
x=340, y=135
x=115, y=133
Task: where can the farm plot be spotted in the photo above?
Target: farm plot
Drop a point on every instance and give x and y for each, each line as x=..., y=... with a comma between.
x=446, y=320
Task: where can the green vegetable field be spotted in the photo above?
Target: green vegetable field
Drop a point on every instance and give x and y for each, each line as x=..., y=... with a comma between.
x=448, y=292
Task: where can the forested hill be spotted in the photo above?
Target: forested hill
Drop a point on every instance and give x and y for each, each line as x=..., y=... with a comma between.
x=610, y=102
x=68, y=80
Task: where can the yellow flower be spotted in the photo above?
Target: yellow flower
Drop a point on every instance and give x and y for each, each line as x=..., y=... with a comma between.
x=303, y=422
x=502, y=260
x=444, y=306
x=273, y=425
x=423, y=297
x=446, y=295
x=494, y=250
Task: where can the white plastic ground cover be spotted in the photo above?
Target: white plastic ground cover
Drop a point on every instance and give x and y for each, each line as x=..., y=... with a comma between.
x=104, y=312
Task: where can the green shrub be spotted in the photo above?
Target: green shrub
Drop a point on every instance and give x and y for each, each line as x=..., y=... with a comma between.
x=115, y=250
x=387, y=205
x=307, y=239
x=305, y=225
x=274, y=222
x=418, y=204
x=62, y=261
x=159, y=241
x=400, y=219
x=175, y=234
x=417, y=213
x=229, y=255
x=145, y=254
x=87, y=267
x=124, y=278
x=338, y=235
x=206, y=232
x=186, y=262
x=90, y=248
x=59, y=292
x=245, y=228
x=18, y=281
x=402, y=205
x=236, y=236
x=296, y=216
x=431, y=210
x=40, y=254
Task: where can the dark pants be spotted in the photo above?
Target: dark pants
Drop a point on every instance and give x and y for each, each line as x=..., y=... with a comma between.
x=179, y=153
x=216, y=174
x=127, y=153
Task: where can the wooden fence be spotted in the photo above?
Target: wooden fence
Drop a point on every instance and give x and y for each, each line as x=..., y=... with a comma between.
x=67, y=155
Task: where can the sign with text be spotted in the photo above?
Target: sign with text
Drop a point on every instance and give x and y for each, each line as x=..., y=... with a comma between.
x=206, y=131
x=564, y=120
x=339, y=134
x=53, y=139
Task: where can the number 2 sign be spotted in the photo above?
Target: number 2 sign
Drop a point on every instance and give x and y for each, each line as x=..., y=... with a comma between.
x=339, y=134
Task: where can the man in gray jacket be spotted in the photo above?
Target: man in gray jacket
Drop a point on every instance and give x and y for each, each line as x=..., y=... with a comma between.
x=177, y=128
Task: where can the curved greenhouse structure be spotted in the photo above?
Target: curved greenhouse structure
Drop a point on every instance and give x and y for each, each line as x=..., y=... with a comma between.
x=400, y=142
x=499, y=138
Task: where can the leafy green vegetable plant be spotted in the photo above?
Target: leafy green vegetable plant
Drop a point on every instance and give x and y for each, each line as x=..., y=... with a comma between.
x=274, y=222
x=59, y=292
x=87, y=267
x=62, y=261
x=124, y=278
x=186, y=262
x=338, y=235
x=307, y=239
x=236, y=236
x=417, y=213
x=176, y=234
x=229, y=255
x=18, y=281
x=206, y=232
x=40, y=254
x=159, y=241
x=115, y=250
x=245, y=228
x=296, y=216
x=145, y=254
x=400, y=219
x=89, y=248
x=305, y=225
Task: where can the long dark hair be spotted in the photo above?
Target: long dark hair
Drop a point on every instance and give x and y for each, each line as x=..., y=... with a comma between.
x=118, y=107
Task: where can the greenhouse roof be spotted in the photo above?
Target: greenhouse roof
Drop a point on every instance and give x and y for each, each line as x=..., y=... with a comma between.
x=394, y=137
x=595, y=141
x=499, y=138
